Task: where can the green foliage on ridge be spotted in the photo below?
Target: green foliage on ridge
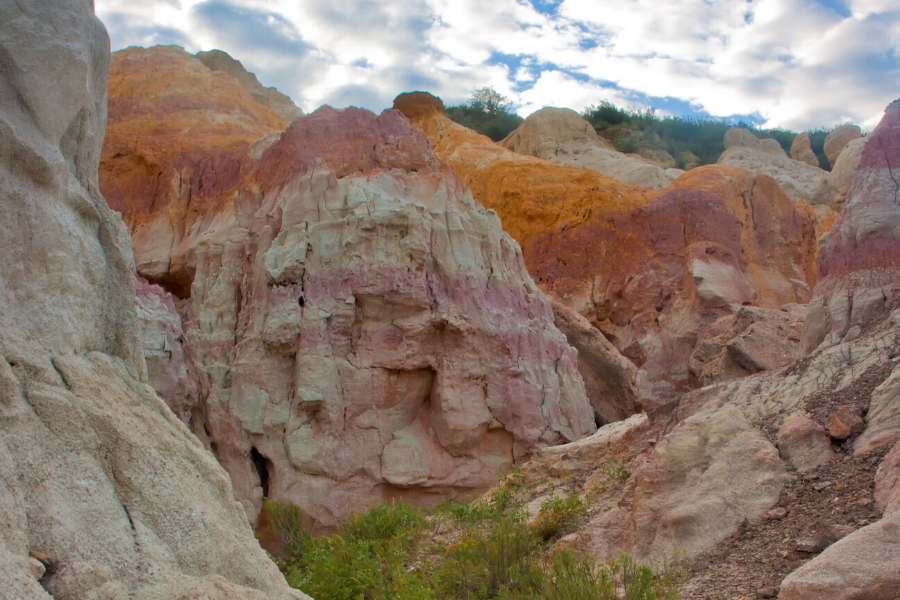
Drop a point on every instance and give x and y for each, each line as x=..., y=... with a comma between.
x=487, y=112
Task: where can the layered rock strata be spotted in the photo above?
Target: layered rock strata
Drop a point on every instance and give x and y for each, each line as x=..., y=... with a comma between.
x=705, y=468
x=98, y=479
x=743, y=150
x=858, y=261
x=358, y=326
x=651, y=273
x=563, y=137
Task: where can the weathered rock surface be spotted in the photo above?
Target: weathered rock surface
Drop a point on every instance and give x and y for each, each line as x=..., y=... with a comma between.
x=837, y=139
x=834, y=187
x=563, y=137
x=167, y=108
x=859, y=259
x=610, y=379
x=650, y=275
x=745, y=151
x=753, y=340
x=269, y=97
x=858, y=285
x=801, y=149
x=95, y=471
x=358, y=326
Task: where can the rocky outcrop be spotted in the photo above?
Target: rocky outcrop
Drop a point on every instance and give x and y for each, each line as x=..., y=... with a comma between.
x=269, y=97
x=98, y=478
x=837, y=139
x=610, y=379
x=858, y=260
x=836, y=185
x=651, y=275
x=358, y=326
x=801, y=150
x=743, y=150
x=753, y=340
x=563, y=137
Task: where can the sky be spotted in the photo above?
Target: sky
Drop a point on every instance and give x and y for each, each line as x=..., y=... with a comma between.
x=797, y=64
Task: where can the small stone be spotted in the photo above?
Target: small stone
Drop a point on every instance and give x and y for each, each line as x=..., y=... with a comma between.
x=769, y=591
x=845, y=423
x=36, y=568
x=822, y=485
x=778, y=513
x=814, y=543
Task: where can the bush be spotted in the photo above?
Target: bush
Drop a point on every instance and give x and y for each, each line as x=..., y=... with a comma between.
x=498, y=556
x=557, y=516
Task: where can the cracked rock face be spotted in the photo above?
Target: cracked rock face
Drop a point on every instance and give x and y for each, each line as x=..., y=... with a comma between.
x=859, y=259
x=96, y=474
x=359, y=327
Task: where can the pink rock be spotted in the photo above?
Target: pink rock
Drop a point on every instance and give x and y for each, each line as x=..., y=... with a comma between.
x=357, y=326
x=804, y=444
x=859, y=259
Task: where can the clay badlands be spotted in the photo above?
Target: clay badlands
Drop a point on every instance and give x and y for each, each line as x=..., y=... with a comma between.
x=209, y=298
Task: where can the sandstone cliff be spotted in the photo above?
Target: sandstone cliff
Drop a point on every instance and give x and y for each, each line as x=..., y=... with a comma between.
x=650, y=269
x=98, y=479
x=356, y=325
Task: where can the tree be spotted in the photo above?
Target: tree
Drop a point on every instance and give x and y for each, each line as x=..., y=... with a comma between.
x=490, y=100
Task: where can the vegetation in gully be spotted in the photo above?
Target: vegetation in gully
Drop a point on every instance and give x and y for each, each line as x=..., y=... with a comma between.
x=481, y=550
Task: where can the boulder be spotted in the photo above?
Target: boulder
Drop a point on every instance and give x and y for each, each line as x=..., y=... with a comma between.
x=753, y=340
x=837, y=139
x=859, y=259
x=834, y=187
x=804, y=444
x=801, y=150
x=743, y=150
x=97, y=476
x=358, y=327
x=563, y=137
x=269, y=97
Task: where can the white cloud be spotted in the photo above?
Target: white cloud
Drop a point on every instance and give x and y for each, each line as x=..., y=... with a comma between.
x=797, y=63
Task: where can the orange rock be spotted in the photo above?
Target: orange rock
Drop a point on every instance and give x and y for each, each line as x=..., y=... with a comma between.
x=166, y=109
x=649, y=268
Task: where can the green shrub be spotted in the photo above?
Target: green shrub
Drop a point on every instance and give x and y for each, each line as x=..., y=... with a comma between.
x=488, y=563
x=557, y=516
x=290, y=531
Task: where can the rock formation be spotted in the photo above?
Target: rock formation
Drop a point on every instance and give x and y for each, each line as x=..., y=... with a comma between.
x=801, y=149
x=835, y=185
x=651, y=275
x=610, y=379
x=743, y=150
x=98, y=479
x=837, y=139
x=357, y=326
x=735, y=465
x=562, y=136
x=751, y=341
x=269, y=97
x=858, y=262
